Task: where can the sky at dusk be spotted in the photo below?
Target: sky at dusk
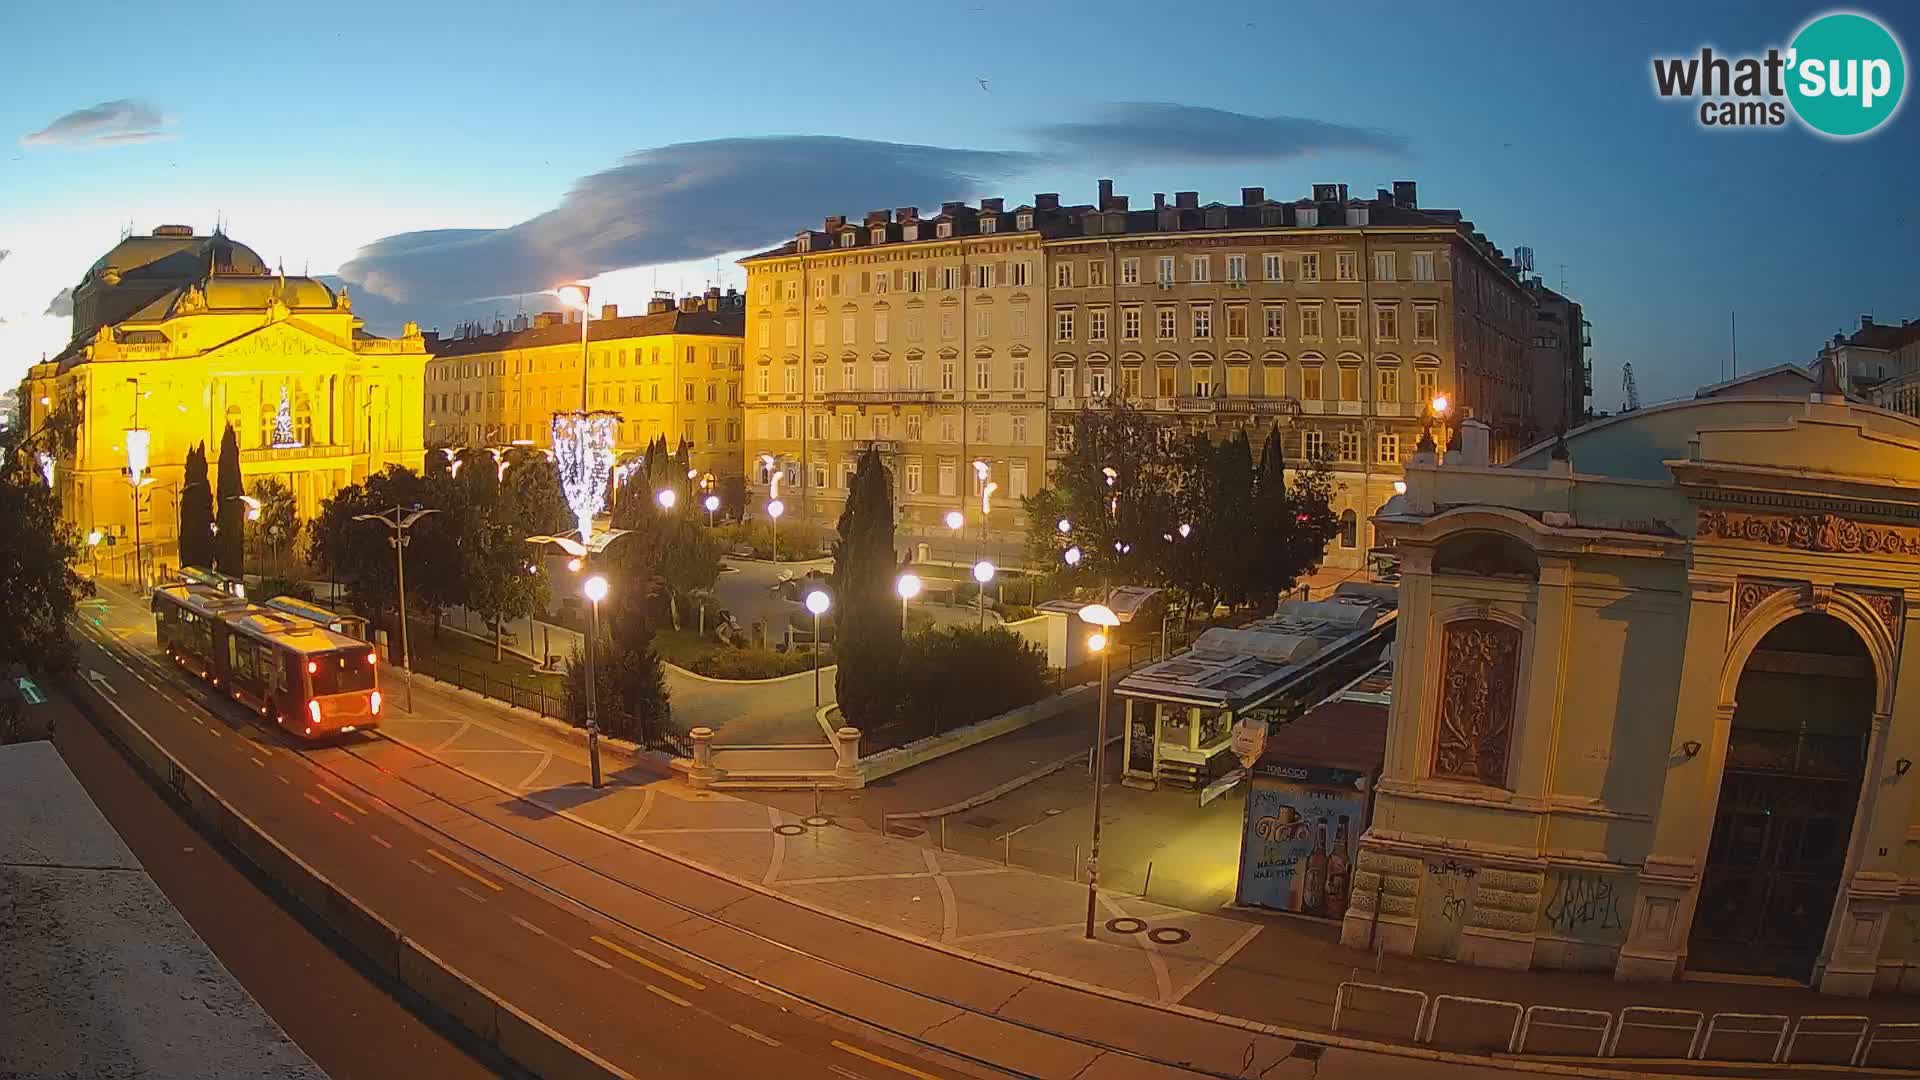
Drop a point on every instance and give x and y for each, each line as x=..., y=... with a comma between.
x=444, y=157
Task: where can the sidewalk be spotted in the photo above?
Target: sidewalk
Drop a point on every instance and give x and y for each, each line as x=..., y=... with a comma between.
x=1276, y=970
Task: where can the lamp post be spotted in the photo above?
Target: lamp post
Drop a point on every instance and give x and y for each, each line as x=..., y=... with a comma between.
x=399, y=525
x=595, y=590
x=1441, y=405
x=1102, y=616
x=712, y=503
x=137, y=441
x=982, y=573
x=774, y=506
x=817, y=602
x=908, y=587
x=93, y=549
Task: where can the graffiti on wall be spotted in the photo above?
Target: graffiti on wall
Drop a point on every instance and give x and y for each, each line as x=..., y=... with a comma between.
x=1446, y=897
x=1586, y=905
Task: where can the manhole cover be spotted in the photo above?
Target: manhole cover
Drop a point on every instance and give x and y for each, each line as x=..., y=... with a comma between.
x=1126, y=925
x=1168, y=935
x=816, y=821
x=789, y=829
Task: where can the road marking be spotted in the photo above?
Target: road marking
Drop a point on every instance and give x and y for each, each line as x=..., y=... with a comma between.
x=878, y=1060
x=309, y=796
x=638, y=959
x=343, y=817
x=525, y=925
x=214, y=731
x=838, y=1071
x=342, y=799
x=423, y=866
x=260, y=763
x=382, y=843
x=100, y=681
x=675, y=998
x=592, y=959
x=199, y=721
x=495, y=886
x=754, y=1035
x=471, y=894
x=284, y=780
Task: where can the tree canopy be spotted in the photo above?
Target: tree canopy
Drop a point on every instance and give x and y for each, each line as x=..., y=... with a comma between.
x=37, y=576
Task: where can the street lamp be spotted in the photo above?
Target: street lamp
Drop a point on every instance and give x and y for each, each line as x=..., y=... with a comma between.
x=1102, y=616
x=774, y=506
x=983, y=572
x=1072, y=555
x=666, y=498
x=595, y=590
x=93, y=548
x=908, y=587
x=138, y=440
x=399, y=525
x=712, y=503
x=817, y=602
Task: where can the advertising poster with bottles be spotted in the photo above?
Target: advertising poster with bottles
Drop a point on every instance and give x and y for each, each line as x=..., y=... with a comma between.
x=1301, y=830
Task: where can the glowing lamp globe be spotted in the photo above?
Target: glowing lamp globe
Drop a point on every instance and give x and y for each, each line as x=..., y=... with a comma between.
x=595, y=589
x=983, y=571
x=712, y=503
x=775, y=509
x=666, y=498
x=908, y=586
x=818, y=602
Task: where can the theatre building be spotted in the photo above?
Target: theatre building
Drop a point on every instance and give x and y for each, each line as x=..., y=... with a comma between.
x=1653, y=711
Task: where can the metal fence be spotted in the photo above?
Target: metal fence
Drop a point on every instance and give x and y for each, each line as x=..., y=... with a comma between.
x=537, y=699
x=1454, y=1022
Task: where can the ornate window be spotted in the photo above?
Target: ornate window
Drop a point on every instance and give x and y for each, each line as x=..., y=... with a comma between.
x=1479, y=673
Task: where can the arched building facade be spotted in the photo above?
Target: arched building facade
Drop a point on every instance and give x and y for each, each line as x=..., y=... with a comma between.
x=1653, y=709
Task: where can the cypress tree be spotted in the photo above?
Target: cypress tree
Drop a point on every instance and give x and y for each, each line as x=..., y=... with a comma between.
x=230, y=542
x=866, y=609
x=196, y=511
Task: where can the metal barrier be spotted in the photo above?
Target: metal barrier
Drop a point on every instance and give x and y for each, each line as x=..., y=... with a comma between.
x=1530, y=1021
x=1340, y=1001
x=1620, y=1026
x=1780, y=1035
x=1865, y=1057
x=1859, y=1037
x=1433, y=1016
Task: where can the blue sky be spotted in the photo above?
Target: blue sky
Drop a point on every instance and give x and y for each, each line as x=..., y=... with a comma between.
x=319, y=134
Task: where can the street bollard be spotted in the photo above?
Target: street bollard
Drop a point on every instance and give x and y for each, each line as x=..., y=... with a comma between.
x=1076, y=864
x=1148, y=887
x=943, y=832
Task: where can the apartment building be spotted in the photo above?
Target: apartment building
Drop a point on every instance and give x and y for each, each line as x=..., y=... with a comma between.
x=674, y=371
x=920, y=336
x=1878, y=363
x=1562, y=374
x=1340, y=318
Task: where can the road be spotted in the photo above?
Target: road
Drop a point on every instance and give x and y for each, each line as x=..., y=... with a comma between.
x=348, y=1022
x=599, y=982
x=655, y=965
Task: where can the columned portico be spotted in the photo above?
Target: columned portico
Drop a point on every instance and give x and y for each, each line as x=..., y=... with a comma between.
x=1657, y=716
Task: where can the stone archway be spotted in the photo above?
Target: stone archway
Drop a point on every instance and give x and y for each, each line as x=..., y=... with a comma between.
x=1803, y=708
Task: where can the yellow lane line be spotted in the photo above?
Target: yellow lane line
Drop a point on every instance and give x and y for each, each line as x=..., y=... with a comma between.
x=754, y=1035
x=638, y=959
x=378, y=840
x=495, y=886
x=592, y=959
x=342, y=799
x=878, y=1060
x=675, y=998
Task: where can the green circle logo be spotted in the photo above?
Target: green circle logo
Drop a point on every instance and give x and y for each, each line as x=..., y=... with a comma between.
x=1846, y=75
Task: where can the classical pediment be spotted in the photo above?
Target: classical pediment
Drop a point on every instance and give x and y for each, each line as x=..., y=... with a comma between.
x=278, y=341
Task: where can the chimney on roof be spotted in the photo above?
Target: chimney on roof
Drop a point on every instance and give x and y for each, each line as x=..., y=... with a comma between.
x=689, y=303
x=993, y=205
x=834, y=221
x=711, y=298
x=609, y=311
x=544, y=319
x=1047, y=200
x=1186, y=200
x=1252, y=196
x=1406, y=195
x=1866, y=320
x=659, y=305
x=878, y=217
x=906, y=214
x=1106, y=193
x=1159, y=200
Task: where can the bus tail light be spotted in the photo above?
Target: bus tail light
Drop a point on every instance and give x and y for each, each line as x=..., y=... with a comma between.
x=372, y=659
x=313, y=668
x=313, y=709
x=376, y=703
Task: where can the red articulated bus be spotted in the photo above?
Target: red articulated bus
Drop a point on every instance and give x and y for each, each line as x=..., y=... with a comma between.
x=304, y=677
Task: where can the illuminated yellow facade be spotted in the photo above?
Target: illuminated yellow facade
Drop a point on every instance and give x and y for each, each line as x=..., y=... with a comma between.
x=673, y=372
x=183, y=335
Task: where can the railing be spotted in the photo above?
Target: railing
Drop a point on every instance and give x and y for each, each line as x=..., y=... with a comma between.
x=537, y=699
x=877, y=397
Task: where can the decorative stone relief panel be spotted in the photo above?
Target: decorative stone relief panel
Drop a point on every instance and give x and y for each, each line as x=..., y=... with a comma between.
x=1506, y=900
x=1750, y=593
x=1479, y=672
x=1885, y=605
x=1808, y=532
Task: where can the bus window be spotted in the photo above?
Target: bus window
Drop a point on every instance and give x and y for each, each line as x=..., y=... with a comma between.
x=339, y=672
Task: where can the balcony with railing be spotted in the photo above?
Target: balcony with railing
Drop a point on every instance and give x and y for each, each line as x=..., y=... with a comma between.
x=878, y=397
x=1258, y=406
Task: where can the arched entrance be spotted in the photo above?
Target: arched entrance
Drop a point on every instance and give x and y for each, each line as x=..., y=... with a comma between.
x=1795, y=757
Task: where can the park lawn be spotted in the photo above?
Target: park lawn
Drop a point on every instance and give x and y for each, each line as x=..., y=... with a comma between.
x=476, y=656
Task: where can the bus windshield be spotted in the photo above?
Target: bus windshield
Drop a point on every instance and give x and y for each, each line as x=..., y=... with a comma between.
x=340, y=672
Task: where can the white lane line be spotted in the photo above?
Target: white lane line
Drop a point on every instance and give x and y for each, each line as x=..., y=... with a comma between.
x=310, y=797
x=343, y=817
x=693, y=984
x=592, y=959
x=258, y=762
x=378, y=840
x=284, y=780
x=675, y=998
x=525, y=925
x=342, y=799
x=546, y=759
x=471, y=894
x=754, y=1035
x=646, y=807
x=423, y=866
x=489, y=883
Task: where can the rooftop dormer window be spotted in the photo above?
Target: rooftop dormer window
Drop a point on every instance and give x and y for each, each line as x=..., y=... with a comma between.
x=806, y=243
x=879, y=236
x=989, y=224
x=1023, y=221
x=943, y=230
x=848, y=238
x=910, y=232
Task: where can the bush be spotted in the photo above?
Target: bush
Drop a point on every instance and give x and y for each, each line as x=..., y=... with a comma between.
x=798, y=539
x=960, y=675
x=726, y=663
x=277, y=585
x=630, y=694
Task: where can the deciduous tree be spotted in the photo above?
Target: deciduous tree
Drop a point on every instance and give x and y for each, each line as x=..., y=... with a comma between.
x=37, y=576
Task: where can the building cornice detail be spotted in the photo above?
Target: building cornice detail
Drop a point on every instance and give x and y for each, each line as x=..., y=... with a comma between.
x=1822, y=532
